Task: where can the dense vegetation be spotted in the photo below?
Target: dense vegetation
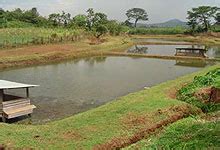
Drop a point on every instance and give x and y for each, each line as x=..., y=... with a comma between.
x=189, y=93
x=29, y=27
x=200, y=19
x=189, y=133
x=15, y=37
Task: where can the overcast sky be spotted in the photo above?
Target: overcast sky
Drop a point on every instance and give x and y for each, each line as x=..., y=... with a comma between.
x=158, y=10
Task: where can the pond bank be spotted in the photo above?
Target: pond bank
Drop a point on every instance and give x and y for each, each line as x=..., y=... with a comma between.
x=160, y=56
x=123, y=117
x=44, y=54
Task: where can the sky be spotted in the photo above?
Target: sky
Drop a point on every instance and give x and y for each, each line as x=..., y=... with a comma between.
x=158, y=10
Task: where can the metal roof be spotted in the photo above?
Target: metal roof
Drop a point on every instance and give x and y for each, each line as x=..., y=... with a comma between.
x=14, y=85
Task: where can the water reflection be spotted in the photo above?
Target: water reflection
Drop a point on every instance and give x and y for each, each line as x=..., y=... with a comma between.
x=138, y=49
x=170, y=50
x=193, y=63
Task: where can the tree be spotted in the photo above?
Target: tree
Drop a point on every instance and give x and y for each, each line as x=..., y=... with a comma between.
x=2, y=20
x=202, y=16
x=100, y=30
x=54, y=18
x=62, y=19
x=99, y=18
x=217, y=18
x=65, y=18
x=136, y=14
x=114, y=27
x=30, y=16
x=90, y=17
x=80, y=21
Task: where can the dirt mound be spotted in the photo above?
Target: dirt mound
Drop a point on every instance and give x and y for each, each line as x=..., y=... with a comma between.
x=172, y=93
x=203, y=94
x=208, y=94
x=215, y=95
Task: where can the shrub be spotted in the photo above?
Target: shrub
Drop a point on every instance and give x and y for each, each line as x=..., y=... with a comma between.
x=186, y=93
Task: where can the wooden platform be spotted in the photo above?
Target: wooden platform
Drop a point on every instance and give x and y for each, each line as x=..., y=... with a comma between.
x=193, y=52
x=16, y=108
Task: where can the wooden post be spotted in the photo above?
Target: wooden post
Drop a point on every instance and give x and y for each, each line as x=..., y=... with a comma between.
x=1, y=96
x=1, y=100
x=27, y=92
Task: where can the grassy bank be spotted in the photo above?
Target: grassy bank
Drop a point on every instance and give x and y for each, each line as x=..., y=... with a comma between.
x=42, y=54
x=189, y=133
x=113, y=123
x=194, y=132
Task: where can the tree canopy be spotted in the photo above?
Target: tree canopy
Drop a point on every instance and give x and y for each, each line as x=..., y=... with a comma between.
x=217, y=18
x=137, y=14
x=202, y=17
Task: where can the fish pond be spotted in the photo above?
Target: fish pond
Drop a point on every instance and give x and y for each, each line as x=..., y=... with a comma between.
x=76, y=86
x=168, y=48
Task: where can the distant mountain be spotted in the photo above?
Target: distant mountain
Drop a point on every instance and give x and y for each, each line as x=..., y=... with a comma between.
x=170, y=23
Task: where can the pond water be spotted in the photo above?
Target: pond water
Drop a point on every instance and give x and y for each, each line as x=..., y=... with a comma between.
x=170, y=50
x=75, y=86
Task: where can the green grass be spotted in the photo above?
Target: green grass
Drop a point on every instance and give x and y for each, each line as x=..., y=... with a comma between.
x=190, y=133
x=159, y=31
x=216, y=28
x=85, y=130
x=12, y=37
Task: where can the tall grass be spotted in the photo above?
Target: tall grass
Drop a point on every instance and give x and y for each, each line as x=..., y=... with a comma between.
x=15, y=37
x=174, y=30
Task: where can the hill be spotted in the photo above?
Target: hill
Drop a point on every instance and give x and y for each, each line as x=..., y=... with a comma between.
x=170, y=23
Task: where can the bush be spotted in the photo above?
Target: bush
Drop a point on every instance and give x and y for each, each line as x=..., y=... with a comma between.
x=186, y=93
x=100, y=30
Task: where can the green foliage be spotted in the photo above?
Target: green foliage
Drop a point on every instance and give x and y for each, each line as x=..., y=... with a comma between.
x=217, y=18
x=100, y=29
x=116, y=28
x=18, y=24
x=15, y=37
x=174, y=30
x=186, y=93
x=188, y=134
x=137, y=14
x=199, y=19
x=79, y=21
x=97, y=22
x=62, y=19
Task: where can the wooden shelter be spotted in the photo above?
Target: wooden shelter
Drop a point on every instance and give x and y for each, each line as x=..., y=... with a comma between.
x=191, y=52
x=12, y=106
